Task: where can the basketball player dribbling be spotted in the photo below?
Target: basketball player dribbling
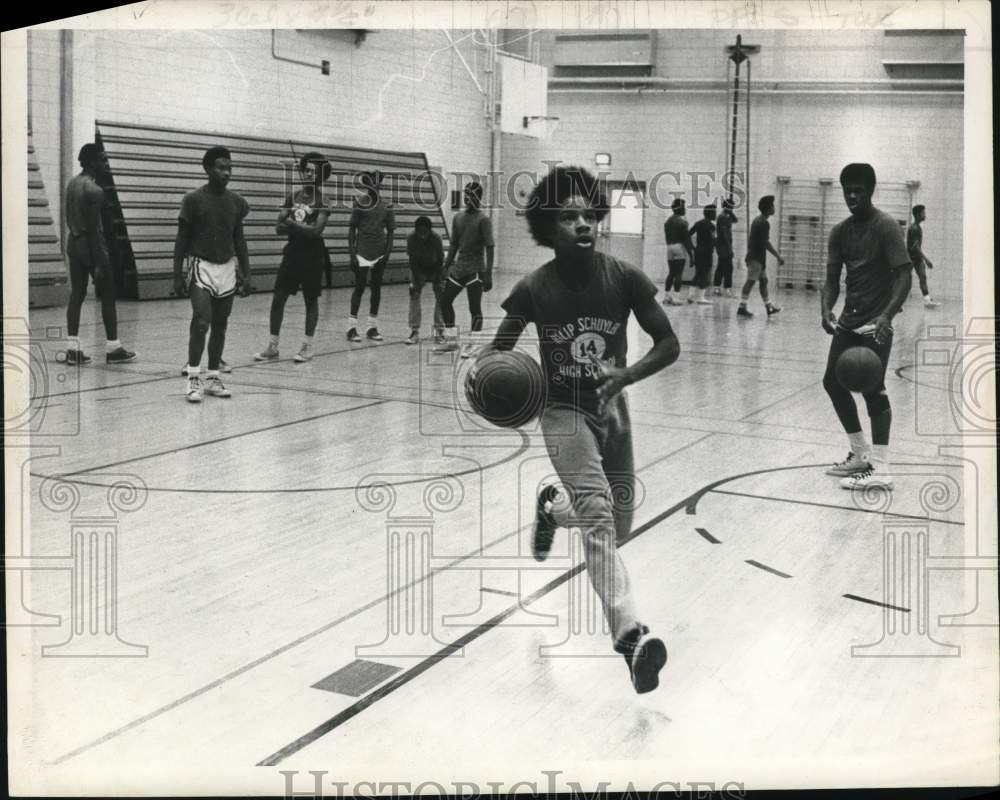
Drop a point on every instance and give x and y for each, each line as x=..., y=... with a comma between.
x=871, y=247
x=302, y=219
x=88, y=256
x=580, y=304
x=211, y=264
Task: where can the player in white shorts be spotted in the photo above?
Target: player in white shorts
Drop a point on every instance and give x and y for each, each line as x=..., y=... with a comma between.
x=211, y=245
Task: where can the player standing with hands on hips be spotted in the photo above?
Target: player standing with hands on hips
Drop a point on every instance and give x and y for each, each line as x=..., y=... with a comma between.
x=580, y=303
x=870, y=246
x=211, y=264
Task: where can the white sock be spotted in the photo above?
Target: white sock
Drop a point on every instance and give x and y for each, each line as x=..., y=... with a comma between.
x=372, y=322
x=212, y=373
x=112, y=345
x=560, y=509
x=73, y=343
x=274, y=342
x=859, y=445
x=307, y=341
x=194, y=372
x=880, y=456
x=451, y=333
x=352, y=322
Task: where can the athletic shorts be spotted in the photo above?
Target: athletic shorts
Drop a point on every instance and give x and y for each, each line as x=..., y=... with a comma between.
x=465, y=280
x=754, y=269
x=219, y=280
x=676, y=252
x=301, y=269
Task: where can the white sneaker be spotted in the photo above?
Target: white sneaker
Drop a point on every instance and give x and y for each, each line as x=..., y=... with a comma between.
x=928, y=303
x=194, y=390
x=214, y=387
x=703, y=301
x=729, y=293
x=851, y=465
x=270, y=353
x=305, y=353
x=869, y=479
x=447, y=346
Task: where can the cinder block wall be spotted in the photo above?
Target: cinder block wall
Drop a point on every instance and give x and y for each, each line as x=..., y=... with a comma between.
x=810, y=136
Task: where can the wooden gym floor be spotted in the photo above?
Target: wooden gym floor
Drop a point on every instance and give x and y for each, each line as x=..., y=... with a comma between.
x=257, y=577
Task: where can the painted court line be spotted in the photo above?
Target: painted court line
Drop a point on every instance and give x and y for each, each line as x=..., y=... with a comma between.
x=875, y=602
x=766, y=568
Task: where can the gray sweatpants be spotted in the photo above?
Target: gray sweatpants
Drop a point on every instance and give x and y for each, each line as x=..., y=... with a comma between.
x=593, y=458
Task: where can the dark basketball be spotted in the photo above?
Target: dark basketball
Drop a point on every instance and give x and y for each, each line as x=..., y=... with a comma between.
x=506, y=388
x=859, y=369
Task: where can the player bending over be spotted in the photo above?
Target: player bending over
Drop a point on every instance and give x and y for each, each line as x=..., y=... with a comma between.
x=870, y=245
x=580, y=303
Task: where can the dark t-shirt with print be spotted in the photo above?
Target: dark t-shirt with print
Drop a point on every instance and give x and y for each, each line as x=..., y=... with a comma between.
x=871, y=250
x=573, y=325
x=306, y=205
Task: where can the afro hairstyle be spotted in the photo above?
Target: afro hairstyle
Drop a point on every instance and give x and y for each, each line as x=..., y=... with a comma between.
x=553, y=191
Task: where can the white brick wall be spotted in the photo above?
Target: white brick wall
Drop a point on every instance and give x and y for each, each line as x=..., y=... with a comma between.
x=44, y=68
x=399, y=90
x=808, y=136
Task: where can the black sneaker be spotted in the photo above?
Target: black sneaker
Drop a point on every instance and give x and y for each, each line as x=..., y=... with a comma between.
x=374, y=335
x=352, y=335
x=772, y=310
x=545, y=523
x=645, y=655
x=77, y=357
x=119, y=356
x=743, y=311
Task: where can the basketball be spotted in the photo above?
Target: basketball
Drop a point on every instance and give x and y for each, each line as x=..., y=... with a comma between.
x=506, y=388
x=859, y=369
x=301, y=212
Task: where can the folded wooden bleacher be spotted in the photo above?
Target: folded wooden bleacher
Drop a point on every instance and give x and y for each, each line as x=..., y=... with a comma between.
x=152, y=169
x=48, y=280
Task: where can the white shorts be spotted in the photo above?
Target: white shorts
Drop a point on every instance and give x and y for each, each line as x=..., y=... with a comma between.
x=676, y=252
x=365, y=263
x=219, y=280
